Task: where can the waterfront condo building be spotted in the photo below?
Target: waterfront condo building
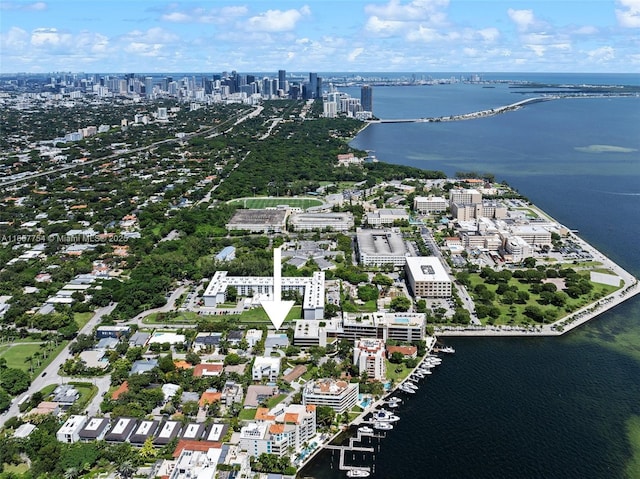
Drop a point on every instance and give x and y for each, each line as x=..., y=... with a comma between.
x=366, y=98
x=279, y=430
x=339, y=395
x=369, y=356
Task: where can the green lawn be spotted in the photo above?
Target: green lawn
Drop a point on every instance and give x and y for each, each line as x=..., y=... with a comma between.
x=17, y=353
x=263, y=202
x=275, y=400
x=82, y=318
x=258, y=315
x=87, y=392
x=247, y=414
x=514, y=313
x=397, y=372
x=171, y=317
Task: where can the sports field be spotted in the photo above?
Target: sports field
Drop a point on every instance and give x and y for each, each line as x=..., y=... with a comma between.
x=264, y=202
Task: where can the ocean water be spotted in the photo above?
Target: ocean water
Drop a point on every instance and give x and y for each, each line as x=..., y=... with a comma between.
x=534, y=407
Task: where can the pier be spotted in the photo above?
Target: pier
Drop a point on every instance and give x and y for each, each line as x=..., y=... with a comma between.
x=469, y=116
x=352, y=448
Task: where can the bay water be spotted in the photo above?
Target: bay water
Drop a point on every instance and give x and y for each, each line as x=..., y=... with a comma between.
x=565, y=407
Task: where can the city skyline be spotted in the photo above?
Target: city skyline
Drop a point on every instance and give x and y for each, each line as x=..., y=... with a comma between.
x=319, y=35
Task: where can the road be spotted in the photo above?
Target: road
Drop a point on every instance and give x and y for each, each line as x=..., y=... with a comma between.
x=50, y=375
x=201, y=132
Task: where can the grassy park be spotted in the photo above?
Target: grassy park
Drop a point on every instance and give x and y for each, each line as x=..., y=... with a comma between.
x=515, y=308
x=270, y=202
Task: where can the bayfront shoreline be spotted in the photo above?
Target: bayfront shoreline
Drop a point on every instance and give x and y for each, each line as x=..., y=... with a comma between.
x=575, y=319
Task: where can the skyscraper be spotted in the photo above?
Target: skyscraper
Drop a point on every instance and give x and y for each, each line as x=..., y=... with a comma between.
x=366, y=98
x=282, y=80
x=312, y=90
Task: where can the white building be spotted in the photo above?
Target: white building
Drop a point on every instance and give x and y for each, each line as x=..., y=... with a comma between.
x=430, y=204
x=321, y=221
x=70, y=430
x=386, y=217
x=253, y=337
x=517, y=248
x=427, y=277
x=312, y=290
x=279, y=430
x=369, y=356
x=265, y=367
x=339, y=395
x=378, y=248
x=196, y=464
x=464, y=196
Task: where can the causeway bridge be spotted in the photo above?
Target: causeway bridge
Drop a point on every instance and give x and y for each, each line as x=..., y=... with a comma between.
x=469, y=116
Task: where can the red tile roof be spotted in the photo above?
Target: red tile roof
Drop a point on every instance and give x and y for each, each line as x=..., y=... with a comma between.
x=124, y=388
x=192, y=445
x=207, y=370
x=209, y=398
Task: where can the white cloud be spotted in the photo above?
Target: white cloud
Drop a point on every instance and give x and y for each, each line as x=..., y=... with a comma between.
x=200, y=15
x=355, y=54
x=384, y=27
x=412, y=11
x=277, y=20
x=537, y=49
x=36, y=6
x=50, y=37
x=602, y=54
x=585, y=30
x=489, y=34
x=151, y=36
x=629, y=15
x=14, y=40
x=522, y=18
x=178, y=17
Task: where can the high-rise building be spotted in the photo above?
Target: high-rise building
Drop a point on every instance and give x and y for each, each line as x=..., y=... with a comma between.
x=366, y=98
x=312, y=89
x=282, y=80
x=148, y=86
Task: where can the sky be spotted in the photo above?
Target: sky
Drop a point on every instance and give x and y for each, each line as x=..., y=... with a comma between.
x=320, y=35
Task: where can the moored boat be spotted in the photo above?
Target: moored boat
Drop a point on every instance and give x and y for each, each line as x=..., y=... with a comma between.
x=358, y=473
x=382, y=426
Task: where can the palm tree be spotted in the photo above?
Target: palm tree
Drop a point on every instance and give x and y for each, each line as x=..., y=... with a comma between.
x=29, y=359
x=71, y=473
x=125, y=469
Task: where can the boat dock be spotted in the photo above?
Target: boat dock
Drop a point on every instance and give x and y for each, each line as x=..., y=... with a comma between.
x=353, y=448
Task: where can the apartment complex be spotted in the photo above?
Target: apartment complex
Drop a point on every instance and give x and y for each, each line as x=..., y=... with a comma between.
x=369, y=356
x=339, y=395
x=427, y=277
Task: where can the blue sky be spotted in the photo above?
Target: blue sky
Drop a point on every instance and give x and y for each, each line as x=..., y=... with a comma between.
x=320, y=35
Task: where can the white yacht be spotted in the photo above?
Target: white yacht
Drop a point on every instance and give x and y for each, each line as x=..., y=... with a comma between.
x=382, y=426
x=407, y=389
x=384, y=416
x=358, y=473
x=365, y=430
x=448, y=350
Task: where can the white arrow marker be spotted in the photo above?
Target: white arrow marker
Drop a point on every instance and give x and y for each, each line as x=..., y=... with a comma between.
x=277, y=309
